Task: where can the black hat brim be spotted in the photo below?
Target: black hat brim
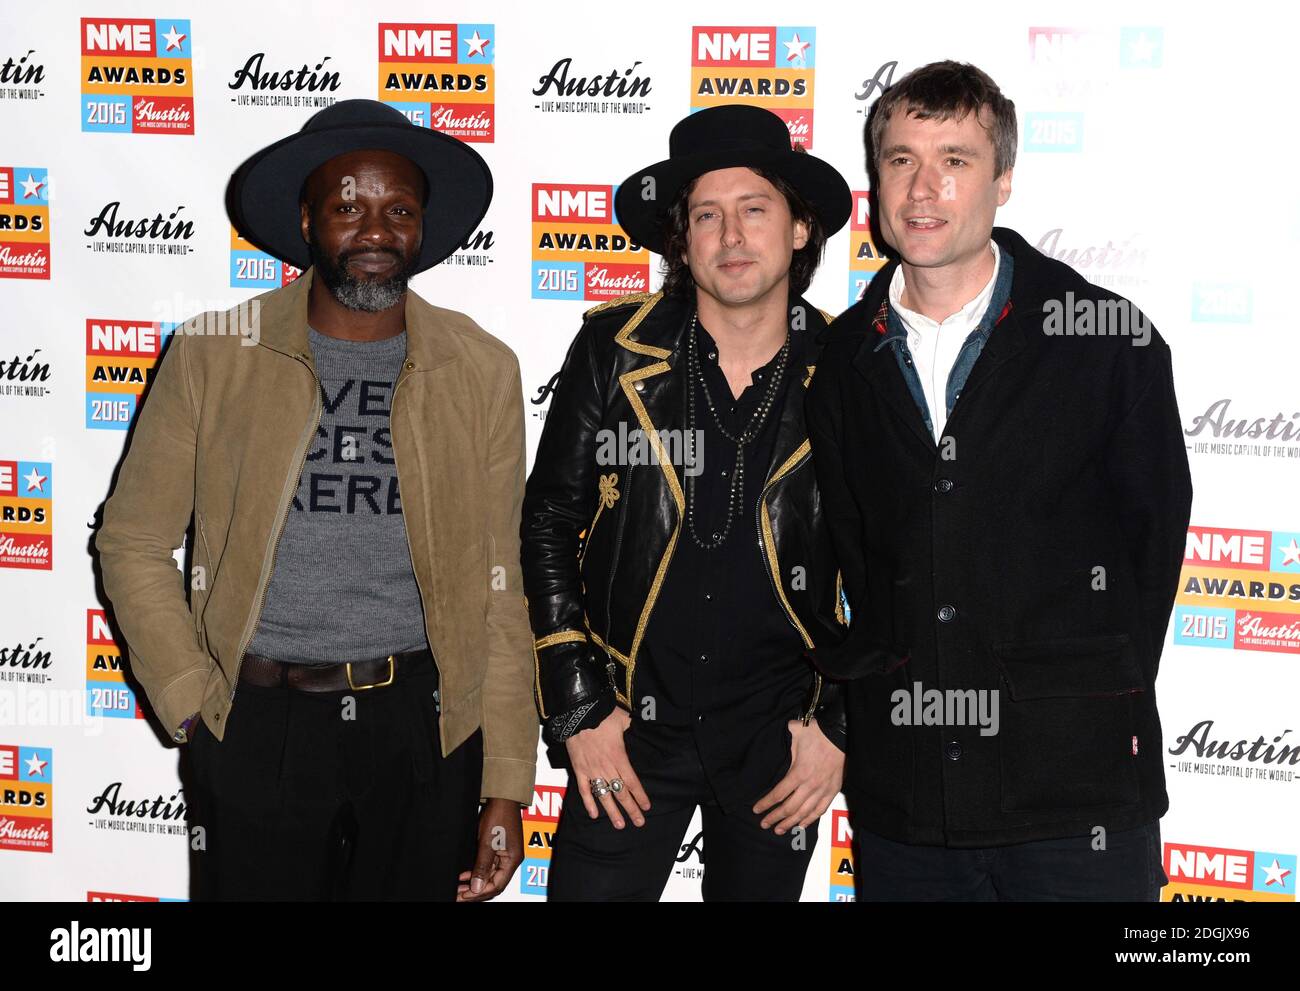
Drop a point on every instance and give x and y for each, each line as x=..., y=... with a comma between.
x=642, y=217
x=263, y=194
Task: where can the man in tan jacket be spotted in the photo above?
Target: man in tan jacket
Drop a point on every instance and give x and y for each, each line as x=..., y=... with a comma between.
x=375, y=633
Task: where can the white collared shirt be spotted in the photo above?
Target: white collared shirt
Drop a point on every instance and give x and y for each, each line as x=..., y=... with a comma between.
x=935, y=346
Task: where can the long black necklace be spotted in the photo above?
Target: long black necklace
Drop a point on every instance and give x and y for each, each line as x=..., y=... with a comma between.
x=736, y=494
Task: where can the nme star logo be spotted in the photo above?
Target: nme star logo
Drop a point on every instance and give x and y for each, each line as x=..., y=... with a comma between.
x=841, y=889
x=26, y=515
x=441, y=76
x=27, y=798
x=107, y=693
x=120, y=360
x=24, y=223
x=769, y=67
x=1217, y=874
x=579, y=251
x=539, y=834
x=865, y=259
x=254, y=269
x=137, y=76
x=1240, y=589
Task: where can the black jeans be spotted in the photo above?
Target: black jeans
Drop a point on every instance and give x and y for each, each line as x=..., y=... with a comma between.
x=1129, y=868
x=593, y=861
x=310, y=797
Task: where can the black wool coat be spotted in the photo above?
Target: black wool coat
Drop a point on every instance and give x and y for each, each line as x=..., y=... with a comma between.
x=1034, y=555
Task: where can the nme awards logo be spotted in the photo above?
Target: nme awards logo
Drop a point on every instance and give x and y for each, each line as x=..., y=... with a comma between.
x=251, y=268
x=769, y=67
x=579, y=251
x=539, y=835
x=1218, y=874
x=865, y=259
x=120, y=360
x=136, y=76
x=1240, y=589
x=107, y=693
x=842, y=889
x=24, y=223
x=26, y=515
x=441, y=76
x=27, y=798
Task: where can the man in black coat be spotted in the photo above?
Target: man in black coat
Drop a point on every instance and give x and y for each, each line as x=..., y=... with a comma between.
x=1001, y=460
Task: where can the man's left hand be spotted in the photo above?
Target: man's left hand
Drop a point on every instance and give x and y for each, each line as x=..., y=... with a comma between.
x=808, y=788
x=500, y=851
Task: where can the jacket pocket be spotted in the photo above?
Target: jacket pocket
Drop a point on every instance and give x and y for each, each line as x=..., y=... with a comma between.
x=1067, y=724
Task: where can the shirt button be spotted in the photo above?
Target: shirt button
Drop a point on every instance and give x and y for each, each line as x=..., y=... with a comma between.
x=708, y=596
x=943, y=485
x=704, y=658
x=947, y=614
x=953, y=750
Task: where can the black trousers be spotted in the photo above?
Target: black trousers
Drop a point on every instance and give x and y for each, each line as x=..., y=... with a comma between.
x=1129, y=868
x=313, y=797
x=593, y=861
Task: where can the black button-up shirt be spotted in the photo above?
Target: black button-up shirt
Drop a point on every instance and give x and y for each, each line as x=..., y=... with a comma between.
x=720, y=654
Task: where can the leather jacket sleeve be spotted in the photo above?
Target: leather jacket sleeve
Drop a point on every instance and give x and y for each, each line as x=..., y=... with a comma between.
x=559, y=502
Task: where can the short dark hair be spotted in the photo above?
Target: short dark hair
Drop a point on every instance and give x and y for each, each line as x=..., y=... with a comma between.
x=944, y=91
x=676, y=225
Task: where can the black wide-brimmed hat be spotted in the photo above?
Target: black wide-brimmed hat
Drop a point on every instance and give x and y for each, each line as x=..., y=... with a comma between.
x=262, y=197
x=722, y=138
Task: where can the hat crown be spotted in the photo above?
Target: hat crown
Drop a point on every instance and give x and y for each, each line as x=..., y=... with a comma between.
x=737, y=126
x=347, y=113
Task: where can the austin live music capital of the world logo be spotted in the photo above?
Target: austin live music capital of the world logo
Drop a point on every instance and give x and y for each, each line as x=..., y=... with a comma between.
x=120, y=359
x=579, y=251
x=1240, y=589
x=137, y=75
x=24, y=223
x=26, y=515
x=769, y=67
x=26, y=798
x=441, y=76
x=107, y=693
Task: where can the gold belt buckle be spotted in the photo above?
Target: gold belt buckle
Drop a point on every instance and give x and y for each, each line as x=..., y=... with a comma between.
x=375, y=684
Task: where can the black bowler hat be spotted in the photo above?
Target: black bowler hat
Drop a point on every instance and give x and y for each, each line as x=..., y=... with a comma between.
x=722, y=138
x=262, y=197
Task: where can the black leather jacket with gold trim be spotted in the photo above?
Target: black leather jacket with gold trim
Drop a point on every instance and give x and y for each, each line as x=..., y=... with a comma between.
x=591, y=577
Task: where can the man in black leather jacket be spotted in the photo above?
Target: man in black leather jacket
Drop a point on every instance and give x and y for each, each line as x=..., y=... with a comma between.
x=676, y=561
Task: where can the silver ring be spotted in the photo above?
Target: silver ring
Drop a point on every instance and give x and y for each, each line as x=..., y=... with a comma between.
x=616, y=785
x=598, y=787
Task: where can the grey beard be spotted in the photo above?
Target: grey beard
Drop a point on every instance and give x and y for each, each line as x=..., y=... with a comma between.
x=367, y=295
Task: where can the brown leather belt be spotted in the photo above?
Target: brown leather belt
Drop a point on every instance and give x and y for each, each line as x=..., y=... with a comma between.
x=348, y=676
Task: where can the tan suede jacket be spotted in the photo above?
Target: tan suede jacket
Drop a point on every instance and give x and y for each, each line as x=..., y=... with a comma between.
x=222, y=437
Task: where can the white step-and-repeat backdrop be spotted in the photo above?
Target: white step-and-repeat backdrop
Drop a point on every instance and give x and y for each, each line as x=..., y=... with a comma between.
x=1157, y=157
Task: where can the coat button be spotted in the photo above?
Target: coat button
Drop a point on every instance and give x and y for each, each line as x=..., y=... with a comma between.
x=953, y=750
x=943, y=485
x=410, y=364
x=704, y=658
x=639, y=387
x=632, y=337
x=947, y=614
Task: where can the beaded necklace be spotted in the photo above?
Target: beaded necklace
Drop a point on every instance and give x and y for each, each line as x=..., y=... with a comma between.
x=736, y=494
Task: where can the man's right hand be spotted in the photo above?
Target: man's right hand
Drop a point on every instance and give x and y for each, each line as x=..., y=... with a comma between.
x=600, y=753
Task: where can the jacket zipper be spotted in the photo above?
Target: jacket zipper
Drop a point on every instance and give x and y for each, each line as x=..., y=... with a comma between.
x=609, y=589
x=806, y=718
x=392, y=409
x=256, y=615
